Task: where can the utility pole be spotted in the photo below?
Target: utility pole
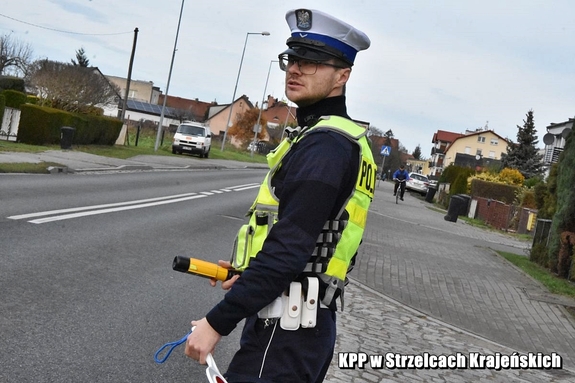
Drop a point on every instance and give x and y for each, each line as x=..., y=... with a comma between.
x=125, y=101
x=159, y=135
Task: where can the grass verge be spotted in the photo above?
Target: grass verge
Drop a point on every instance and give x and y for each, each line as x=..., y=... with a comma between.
x=555, y=284
x=146, y=146
x=29, y=168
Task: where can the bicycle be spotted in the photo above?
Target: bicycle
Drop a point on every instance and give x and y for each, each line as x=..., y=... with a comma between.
x=400, y=189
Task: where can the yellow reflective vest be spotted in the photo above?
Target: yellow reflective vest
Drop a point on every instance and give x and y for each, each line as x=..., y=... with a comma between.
x=340, y=237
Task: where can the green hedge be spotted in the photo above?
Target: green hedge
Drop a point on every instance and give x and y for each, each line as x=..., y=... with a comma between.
x=14, y=83
x=564, y=217
x=495, y=191
x=2, y=107
x=14, y=98
x=42, y=126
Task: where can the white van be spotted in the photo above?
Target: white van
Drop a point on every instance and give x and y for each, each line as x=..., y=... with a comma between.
x=192, y=137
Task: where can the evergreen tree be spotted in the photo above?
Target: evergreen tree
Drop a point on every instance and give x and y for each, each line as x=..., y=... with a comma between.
x=524, y=156
x=81, y=58
x=417, y=152
x=564, y=217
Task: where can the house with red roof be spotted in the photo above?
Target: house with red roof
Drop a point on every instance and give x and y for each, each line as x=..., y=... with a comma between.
x=477, y=149
x=441, y=140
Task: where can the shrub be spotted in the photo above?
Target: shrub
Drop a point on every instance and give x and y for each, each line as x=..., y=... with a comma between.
x=34, y=100
x=494, y=190
x=565, y=256
x=459, y=186
x=41, y=125
x=532, y=182
x=511, y=177
x=14, y=98
x=527, y=199
x=539, y=255
x=13, y=83
x=2, y=107
x=564, y=217
x=450, y=174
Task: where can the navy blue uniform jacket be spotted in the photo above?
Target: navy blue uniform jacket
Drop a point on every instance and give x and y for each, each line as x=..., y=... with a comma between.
x=313, y=183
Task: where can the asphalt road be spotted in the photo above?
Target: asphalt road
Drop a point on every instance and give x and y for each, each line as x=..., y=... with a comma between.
x=88, y=293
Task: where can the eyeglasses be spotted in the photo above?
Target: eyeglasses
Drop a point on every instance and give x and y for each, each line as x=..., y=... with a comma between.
x=308, y=67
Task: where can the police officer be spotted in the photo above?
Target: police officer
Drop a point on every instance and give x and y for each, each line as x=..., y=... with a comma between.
x=310, y=212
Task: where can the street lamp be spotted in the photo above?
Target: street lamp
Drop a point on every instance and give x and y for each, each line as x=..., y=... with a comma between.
x=159, y=135
x=237, y=80
x=286, y=121
x=258, y=126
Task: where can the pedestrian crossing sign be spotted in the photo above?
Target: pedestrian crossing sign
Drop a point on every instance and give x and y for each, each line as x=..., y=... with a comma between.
x=385, y=150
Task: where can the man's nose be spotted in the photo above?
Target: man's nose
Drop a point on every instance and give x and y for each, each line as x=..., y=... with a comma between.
x=294, y=68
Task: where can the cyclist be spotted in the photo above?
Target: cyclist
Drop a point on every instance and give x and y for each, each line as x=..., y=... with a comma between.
x=400, y=175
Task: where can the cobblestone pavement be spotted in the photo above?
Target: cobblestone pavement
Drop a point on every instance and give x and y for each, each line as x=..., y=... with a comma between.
x=423, y=284
x=375, y=325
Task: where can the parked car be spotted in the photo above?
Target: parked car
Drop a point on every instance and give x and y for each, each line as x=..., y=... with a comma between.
x=192, y=137
x=417, y=183
x=253, y=146
x=261, y=147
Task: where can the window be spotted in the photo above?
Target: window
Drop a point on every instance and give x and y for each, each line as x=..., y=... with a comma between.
x=467, y=150
x=494, y=141
x=491, y=154
x=478, y=152
x=480, y=139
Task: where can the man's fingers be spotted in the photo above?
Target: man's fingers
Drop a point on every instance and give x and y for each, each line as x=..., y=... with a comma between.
x=226, y=285
x=225, y=264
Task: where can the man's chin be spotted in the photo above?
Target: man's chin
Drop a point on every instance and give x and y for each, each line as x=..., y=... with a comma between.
x=299, y=100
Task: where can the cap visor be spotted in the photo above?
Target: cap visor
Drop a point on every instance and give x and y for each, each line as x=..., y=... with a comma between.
x=307, y=53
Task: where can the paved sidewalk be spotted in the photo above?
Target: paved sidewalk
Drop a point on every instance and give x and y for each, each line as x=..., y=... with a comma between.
x=77, y=162
x=428, y=285
x=375, y=324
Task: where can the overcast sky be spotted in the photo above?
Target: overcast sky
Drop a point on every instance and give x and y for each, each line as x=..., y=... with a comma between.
x=449, y=65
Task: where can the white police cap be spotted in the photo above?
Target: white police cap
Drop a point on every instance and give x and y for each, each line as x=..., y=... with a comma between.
x=315, y=35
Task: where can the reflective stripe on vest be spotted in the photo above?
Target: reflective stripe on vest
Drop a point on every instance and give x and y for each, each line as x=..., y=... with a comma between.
x=341, y=237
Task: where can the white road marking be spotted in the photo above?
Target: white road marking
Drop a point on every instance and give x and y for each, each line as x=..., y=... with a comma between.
x=111, y=210
x=83, y=211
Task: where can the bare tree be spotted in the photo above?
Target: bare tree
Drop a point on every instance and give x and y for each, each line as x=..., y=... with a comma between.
x=15, y=56
x=375, y=132
x=71, y=87
x=183, y=115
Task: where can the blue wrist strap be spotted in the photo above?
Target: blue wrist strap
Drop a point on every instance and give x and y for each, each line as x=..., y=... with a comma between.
x=170, y=346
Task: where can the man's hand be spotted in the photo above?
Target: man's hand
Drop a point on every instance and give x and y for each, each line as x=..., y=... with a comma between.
x=226, y=285
x=201, y=341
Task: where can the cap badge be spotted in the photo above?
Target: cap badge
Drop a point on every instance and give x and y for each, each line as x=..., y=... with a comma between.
x=303, y=19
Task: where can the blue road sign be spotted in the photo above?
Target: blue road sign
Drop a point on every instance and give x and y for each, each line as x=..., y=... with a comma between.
x=385, y=150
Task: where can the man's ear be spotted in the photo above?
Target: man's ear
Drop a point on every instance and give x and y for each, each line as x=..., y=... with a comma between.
x=343, y=74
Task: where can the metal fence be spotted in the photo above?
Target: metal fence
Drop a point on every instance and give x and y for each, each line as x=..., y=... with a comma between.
x=542, y=231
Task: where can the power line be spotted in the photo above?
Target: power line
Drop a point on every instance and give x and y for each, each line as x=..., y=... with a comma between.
x=61, y=31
